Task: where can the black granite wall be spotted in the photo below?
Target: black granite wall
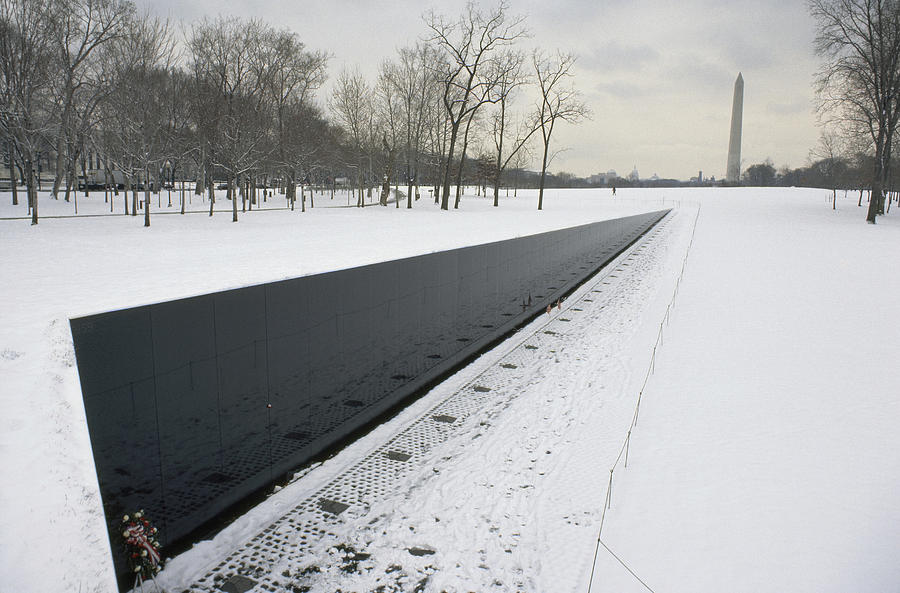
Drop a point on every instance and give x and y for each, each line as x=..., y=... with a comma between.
x=194, y=404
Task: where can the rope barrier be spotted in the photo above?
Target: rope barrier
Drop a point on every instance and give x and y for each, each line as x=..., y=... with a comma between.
x=627, y=442
x=627, y=445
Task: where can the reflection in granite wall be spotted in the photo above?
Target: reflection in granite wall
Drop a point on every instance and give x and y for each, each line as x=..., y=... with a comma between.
x=196, y=403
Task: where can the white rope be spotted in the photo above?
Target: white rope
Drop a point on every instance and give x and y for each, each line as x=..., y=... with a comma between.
x=626, y=566
x=626, y=444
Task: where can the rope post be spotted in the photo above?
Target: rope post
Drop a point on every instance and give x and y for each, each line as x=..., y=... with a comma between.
x=627, y=445
x=609, y=490
x=637, y=409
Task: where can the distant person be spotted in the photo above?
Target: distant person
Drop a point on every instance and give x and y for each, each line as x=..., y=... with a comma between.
x=614, y=191
x=549, y=308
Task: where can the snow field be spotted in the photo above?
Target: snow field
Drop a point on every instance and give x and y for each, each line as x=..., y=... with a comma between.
x=767, y=454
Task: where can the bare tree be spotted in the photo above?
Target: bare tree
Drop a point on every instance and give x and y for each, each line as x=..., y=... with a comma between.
x=183, y=146
x=225, y=55
x=412, y=79
x=858, y=84
x=294, y=75
x=351, y=106
x=82, y=27
x=390, y=123
x=511, y=77
x=139, y=131
x=467, y=44
x=472, y=125
x=436, y=139
x=26, y=54
x=830, y=161
x=558, y=102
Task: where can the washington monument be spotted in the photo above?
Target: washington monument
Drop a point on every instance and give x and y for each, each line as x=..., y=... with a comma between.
x=733, y=171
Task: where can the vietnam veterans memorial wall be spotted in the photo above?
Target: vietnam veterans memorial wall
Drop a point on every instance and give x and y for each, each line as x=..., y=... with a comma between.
x=194, y=404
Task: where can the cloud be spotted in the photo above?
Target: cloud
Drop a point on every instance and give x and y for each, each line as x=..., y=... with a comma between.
x=624, y=89
x=788, y=109
x=614, y=56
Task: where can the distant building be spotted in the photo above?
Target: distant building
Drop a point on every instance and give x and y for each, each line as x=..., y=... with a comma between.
x=633, y=176
x=603, y=178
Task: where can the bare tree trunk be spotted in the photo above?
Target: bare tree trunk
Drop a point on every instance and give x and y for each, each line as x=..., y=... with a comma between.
x=233, y=198
x=134, y=197
x=543, y=177
x=291, y=189
x=445, y=191
x=147, y=197
x=31, y=190
x=497, y=182
x=126, y=187
x=385, y=190
x=69, y=168
x=242, y=189
x=84, y=174
x=12, y=175
x=875, y=194
x=885, y=172
x=462, y=160
x=211, y=188
x=106, y=196
x=111, y=179
x=60, y=167
x=409, y=186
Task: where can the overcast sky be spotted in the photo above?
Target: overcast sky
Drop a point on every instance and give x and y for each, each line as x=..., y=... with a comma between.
x=658, y=75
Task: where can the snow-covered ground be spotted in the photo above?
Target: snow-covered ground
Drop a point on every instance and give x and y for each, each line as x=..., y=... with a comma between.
x=768, y=452
x=764, y=457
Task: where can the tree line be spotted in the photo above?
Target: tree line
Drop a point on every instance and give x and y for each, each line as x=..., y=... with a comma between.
x=96, y=87
x=834, y=172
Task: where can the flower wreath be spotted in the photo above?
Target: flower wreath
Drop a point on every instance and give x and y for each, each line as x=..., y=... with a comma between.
x=141, y=545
